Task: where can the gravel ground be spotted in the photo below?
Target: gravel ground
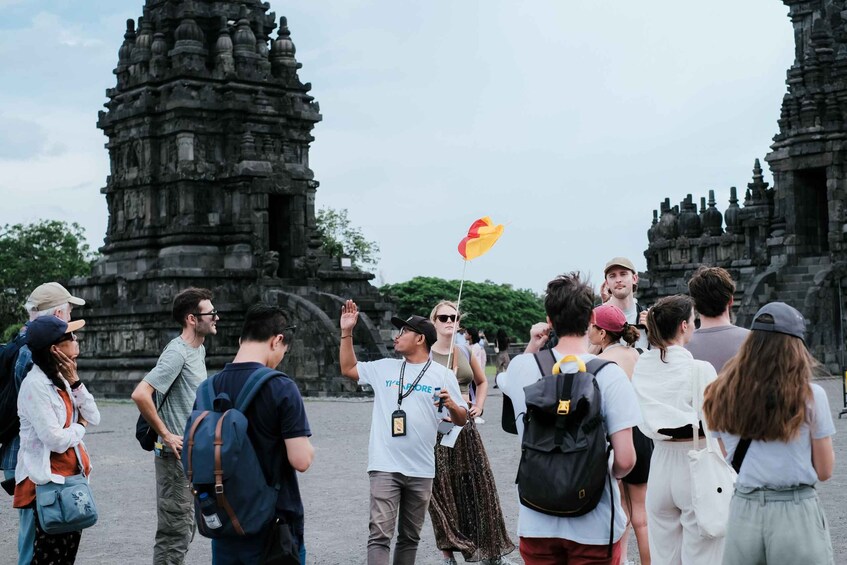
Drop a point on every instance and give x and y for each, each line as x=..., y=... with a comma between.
x=335, y=489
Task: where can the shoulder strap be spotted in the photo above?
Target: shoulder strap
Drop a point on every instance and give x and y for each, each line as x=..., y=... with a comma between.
x=595, y=365
x=167, y=392
x=545, y=362
x=740, y=452
x=252, y=386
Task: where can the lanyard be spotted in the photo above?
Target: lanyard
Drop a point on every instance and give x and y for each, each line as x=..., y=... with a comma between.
x=400, y=394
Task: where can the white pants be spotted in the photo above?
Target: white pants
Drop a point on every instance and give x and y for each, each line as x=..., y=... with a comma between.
x=674, y=535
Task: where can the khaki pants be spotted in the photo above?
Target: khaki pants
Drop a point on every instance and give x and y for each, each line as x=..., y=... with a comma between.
x=175, y=511
x=777, y=527
x=395, y=495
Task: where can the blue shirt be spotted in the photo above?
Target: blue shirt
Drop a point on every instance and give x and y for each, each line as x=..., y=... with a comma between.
x=9, y=450
x=277, y=413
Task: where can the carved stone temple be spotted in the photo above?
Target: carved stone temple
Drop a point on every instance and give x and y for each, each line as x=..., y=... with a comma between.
x=209, y=127
x=787, y=242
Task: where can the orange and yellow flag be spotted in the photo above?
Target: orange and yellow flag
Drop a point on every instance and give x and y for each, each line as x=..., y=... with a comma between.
x=482, y=236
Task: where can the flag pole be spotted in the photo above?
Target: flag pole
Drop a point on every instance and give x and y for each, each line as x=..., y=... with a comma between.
x=456, y=325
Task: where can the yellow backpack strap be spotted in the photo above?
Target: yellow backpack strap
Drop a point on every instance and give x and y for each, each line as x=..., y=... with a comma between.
x=569, y=359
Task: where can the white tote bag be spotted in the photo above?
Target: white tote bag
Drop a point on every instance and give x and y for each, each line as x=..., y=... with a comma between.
x=712, y=478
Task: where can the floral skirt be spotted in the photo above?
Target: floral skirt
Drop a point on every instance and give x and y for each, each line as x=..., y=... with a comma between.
x=465, y=508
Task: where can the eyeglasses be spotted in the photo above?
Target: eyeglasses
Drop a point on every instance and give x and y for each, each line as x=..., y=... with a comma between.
x=287, y=333
x=444, y=318
x=405, y=330
x=213, y=313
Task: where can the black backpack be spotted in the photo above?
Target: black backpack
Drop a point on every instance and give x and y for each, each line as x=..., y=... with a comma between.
x=564, y=452
x=10, y=424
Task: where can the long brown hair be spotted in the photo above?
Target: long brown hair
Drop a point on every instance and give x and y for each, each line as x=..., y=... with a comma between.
x=763, y=391
x=664, y=318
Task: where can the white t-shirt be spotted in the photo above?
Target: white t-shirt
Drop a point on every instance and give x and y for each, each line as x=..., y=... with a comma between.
x=780, y=464
x=412, y=455
x=620, y=410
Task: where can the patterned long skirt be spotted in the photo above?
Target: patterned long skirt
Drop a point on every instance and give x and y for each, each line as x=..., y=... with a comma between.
x=465, y=509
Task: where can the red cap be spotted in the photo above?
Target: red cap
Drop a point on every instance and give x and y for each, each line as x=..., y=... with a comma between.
x=610, y=318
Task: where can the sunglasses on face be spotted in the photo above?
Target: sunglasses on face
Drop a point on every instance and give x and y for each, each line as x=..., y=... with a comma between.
x=444, y=318
x=213, y=314
x=68, y=337
x=406, y=330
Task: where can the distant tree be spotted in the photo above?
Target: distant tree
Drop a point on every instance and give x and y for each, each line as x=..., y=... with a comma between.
x=485, y=305
x=31, y=254
x=341, y=239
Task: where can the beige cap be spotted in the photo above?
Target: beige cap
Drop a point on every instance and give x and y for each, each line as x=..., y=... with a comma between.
x=619, y=262
x=50, y=295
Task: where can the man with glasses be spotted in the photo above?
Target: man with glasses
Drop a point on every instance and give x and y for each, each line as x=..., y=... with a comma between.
x=279, y=429
x=411, y=396
x=165, y=398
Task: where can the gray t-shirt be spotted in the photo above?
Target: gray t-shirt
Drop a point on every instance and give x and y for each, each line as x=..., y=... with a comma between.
x=780, y=464
x=717, y=345
x=184, y=367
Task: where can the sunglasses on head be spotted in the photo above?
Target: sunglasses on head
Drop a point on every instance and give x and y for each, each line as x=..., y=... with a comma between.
x=444, y=318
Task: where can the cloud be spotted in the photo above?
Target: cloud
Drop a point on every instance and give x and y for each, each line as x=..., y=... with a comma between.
x=20, y=139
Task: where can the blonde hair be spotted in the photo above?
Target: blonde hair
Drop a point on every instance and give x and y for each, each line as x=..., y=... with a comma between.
x=449, y=303
x=763, y=391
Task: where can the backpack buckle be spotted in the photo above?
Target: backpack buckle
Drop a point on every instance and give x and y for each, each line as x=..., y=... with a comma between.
x=219, y=489
x=564, y=407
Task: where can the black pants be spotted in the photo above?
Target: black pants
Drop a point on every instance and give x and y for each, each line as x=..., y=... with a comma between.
x=54, y=549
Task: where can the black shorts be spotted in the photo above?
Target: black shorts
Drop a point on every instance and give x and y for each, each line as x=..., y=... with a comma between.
x=643, y=452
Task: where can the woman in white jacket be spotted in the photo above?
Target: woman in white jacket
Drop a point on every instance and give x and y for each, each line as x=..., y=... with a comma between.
x=665, y=379
x=50, y=395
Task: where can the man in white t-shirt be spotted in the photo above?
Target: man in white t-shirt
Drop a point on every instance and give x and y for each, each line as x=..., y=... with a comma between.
x=411, y=396
x=622, y=282
x=546, y=539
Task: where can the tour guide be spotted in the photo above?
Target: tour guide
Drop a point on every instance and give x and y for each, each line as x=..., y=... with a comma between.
x=406, y=413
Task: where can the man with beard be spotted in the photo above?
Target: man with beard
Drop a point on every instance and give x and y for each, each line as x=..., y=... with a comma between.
x=174, y=381
x=622, y=282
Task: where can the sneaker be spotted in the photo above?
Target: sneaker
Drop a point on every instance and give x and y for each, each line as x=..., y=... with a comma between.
x=478, y=420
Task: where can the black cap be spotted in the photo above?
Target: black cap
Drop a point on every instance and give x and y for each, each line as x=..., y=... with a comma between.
x=43, y=332
x=786, y=320
x=418, y=324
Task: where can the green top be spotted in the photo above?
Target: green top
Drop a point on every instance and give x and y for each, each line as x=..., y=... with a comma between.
x=465, y=373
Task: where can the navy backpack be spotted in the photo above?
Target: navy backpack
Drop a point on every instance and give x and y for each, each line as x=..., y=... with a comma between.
x=232, y=498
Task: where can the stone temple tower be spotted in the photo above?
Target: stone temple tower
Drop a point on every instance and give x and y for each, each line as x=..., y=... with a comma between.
x=208, y=128
x=788, y=242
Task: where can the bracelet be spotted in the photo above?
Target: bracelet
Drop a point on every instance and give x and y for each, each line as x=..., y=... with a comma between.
x=76, y=385
x=346, y=336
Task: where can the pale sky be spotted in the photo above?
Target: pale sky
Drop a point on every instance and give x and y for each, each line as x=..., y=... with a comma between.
x=568, y=121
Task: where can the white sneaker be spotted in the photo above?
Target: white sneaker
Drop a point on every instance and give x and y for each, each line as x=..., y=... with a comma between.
x=478, y=420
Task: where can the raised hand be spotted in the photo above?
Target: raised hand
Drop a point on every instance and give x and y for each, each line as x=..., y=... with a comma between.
x=67, y=366
x=349, y=316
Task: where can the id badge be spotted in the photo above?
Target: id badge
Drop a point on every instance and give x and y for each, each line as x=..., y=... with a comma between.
x=398, y=423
